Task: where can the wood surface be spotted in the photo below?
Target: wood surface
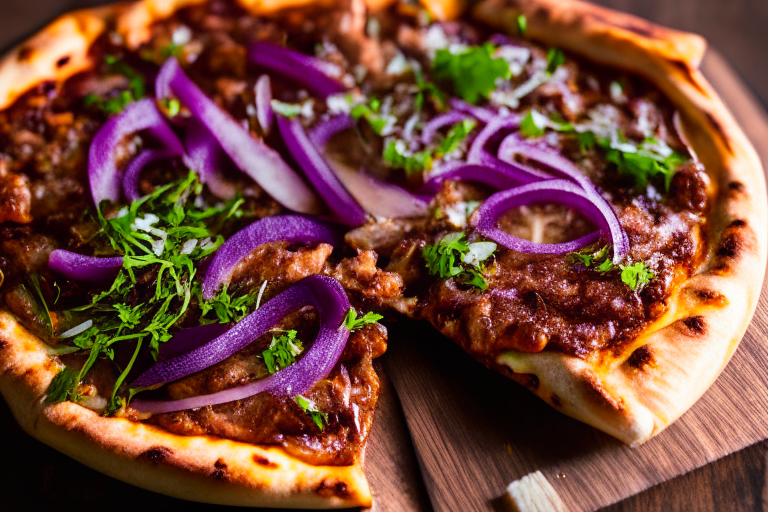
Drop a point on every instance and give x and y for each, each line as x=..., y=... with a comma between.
x=736, y=482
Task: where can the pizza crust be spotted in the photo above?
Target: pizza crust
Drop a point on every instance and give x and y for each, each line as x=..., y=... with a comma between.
x=635, y=395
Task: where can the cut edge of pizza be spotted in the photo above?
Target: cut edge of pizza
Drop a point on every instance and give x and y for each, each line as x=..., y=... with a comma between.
x=636, y=394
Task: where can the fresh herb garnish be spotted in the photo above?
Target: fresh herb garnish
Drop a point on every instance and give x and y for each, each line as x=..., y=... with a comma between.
x=380, y=122
x=160, y=236
x=282, y=351
x=455, y=136
x=635, y=275
x=171, y=50
x=286, y=109
x=63, y=387
x=522, y=24
x=310, y=407
x=534, y=124
x=453, y=256
x=427, y=89
x=647, y=161
x=116, y=103
x=35, y=281
x=473, y=71
x=353, y=323
x=397, y=156
x=227, y=308
x=555, y=59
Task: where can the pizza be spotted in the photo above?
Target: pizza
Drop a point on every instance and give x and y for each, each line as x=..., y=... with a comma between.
x=209, y=211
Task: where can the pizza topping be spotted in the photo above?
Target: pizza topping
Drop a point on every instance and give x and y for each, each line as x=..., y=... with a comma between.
x=282, y=351
x=102, y=166
x=84, y=268
x=635, y=275
x=263, y=98
x=115, y=103
x=453, y=256
x=263, y=164
x=353, y=323
x=472, y=70
x=310, y=407
x=311, y=73
x=290, y=228
x=328, y=298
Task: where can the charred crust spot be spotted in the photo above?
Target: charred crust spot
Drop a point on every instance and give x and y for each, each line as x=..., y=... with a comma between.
x=63, y=61
x=729, y=247
x=219, y=470
x=695, y=324
x=263, y=461
x=640, y=358
x=710, y=297
x=737, y=223
x=338, y=489
x=25, y=53
x=533, y=382
x=556, y=400
x=717, y=126
x=156, y=455
x=4, y=344
x=722, y=269
x=736, y=186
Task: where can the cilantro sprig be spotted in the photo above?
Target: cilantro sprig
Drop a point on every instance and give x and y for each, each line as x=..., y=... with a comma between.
x=161, y=237
x=310, y=407
x=353, y=323
x=115, y=104
x=635, y=275
x=453, y=256
x=473, y=72
x=282, y=351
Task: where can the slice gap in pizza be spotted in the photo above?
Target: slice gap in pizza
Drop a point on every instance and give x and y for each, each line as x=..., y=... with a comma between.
x=207, y=207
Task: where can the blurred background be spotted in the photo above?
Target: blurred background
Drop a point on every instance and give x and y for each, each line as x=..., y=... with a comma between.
x=736, y=28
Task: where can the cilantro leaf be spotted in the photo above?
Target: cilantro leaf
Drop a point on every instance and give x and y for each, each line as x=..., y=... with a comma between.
x=226, y=308
x=522, y=24
x=115, y=103
x=455, y=136
x=647, y=161
x=534, y=124
x=380, y=122
x=452, y=256
x=473, y=72
x=397, y=156
x=353, y=323
x=555, y=59
x=63, y=387
x=310, y=407
x=636, y=276
x=282, y=351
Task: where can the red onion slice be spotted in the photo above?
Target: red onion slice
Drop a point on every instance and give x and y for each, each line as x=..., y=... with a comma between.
x=441, y=121
x=492, y=130
x=482, y=114
x=103, y=175
x=551, y=191
x=324, y=293
x=263, y=164
x=84, y=268
x=133, y=171
x=264, y=113
x=206, y=158
x=461, y=171
x=325, y=130
x=291, y=228
x=309, y=72
x=379, y=198
x=346, y=210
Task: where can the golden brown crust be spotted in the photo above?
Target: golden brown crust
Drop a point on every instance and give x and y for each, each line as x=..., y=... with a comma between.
x=196, y=468
x=637, y=394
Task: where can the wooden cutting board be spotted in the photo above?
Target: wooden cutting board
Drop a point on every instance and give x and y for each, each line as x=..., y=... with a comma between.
x=475, y=431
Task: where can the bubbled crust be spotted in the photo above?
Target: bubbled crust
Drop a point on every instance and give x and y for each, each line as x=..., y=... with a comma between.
x=635, y=394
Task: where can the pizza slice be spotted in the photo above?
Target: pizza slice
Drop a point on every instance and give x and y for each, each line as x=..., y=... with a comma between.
x=208, y=205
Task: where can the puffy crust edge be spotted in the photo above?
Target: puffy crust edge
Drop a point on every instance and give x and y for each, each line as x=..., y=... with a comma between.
x=198, y=468
x=635, y=395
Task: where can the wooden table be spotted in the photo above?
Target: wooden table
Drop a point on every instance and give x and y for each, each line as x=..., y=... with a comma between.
x=737, y=482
